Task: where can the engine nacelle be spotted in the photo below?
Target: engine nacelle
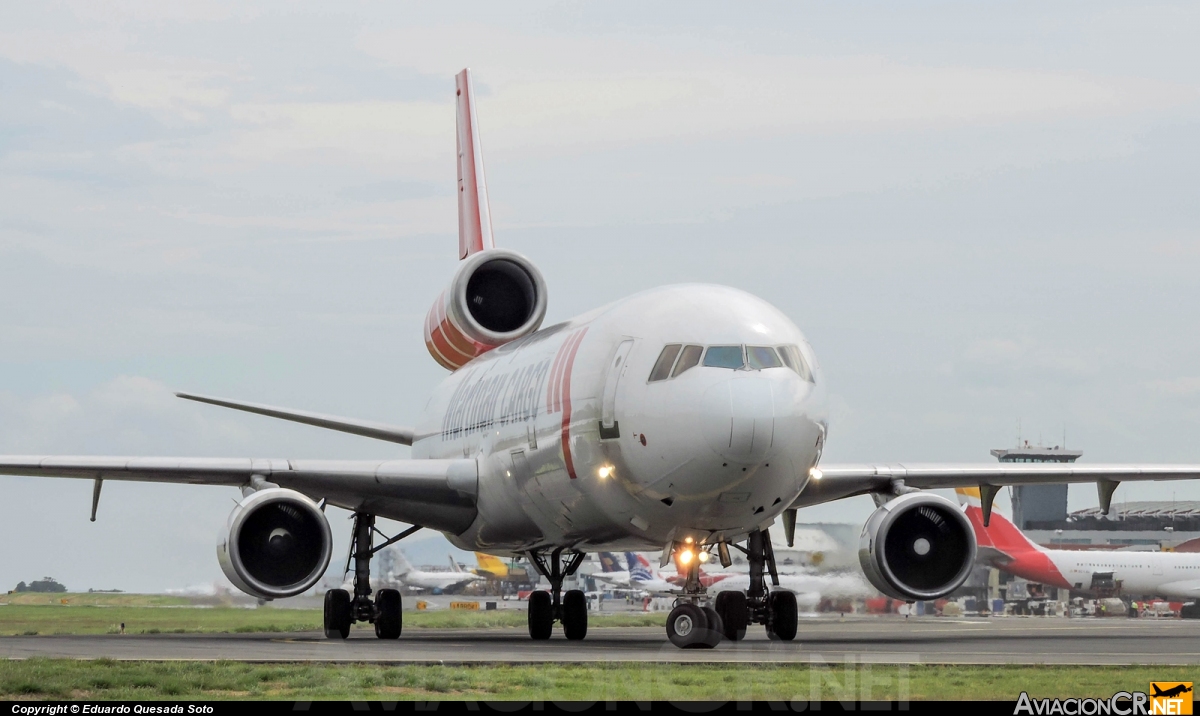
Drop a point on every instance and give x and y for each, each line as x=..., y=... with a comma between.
x=496, y=296
x=277, y=544
x=917, y=546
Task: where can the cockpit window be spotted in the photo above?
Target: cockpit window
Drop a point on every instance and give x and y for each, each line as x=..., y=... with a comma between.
x=760, y=357
x=677, y=358
x=666, y=359
x=724, y=357
x=794, y=359
x=689, y=358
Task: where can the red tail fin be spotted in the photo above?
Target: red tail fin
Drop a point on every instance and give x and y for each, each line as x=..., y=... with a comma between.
x=474, y=214
x=1006, y=546
x=1000, y=533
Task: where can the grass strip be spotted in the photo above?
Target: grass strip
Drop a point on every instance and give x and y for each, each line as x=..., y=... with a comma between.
x=26, y=620
x=148, y=680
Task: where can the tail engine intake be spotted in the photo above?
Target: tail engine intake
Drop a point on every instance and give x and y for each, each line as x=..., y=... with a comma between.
x=496, y=296
x=277, y=544
x=917, y=546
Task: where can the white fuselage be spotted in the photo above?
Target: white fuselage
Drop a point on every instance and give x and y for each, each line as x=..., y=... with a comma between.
x=576, y=446
x=1172, y=575
x=420, y=579
x=822, y=585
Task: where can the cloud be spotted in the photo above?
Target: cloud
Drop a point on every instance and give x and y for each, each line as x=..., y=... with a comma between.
x=1024, y=359
x=1177, y=386
x=575, y=88
x=127, y=414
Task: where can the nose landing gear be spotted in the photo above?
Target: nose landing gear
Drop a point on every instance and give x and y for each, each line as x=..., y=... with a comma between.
x=691, y=625
x=547, y=607
x=342, y=610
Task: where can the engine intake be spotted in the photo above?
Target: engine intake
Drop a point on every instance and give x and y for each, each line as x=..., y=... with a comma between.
x=917, y=546
x=277, y=544
x=495, y=297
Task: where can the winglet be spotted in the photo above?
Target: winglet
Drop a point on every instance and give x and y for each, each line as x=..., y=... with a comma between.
x=474, y=214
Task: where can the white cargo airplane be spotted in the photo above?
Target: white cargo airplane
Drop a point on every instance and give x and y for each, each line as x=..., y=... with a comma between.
x=1172, y=575
x=686, y=418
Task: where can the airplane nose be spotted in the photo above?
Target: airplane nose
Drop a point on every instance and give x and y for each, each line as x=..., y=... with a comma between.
x=739, y=418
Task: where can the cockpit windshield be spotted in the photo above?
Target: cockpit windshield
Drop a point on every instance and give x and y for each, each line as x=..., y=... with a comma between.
x=677, y=358
x=724, y=357
x=689, y=358
x=759, y=357
x=662, y=367
x=794, y=359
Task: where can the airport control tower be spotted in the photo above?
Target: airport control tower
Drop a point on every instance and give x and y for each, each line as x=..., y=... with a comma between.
x=1032, y=504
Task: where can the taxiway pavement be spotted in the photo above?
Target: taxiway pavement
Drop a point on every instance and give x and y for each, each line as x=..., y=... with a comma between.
x=830, y=640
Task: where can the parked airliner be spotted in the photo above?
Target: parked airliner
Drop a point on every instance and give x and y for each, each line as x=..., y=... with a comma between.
x=688, y=419
x=419, y=579
x=1172, y=575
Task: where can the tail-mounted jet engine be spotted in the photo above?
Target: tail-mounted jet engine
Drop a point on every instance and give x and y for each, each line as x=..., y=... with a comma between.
x=277, y=544
x=917, y=546
x=496, y=296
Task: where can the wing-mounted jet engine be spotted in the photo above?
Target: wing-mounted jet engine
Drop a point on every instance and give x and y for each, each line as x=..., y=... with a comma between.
x=277, y=544
x=917, y=546
x=496, y=296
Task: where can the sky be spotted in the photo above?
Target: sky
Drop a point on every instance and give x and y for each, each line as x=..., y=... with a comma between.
x=984, y=217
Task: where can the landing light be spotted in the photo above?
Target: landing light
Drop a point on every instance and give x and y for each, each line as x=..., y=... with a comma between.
x=685, y=556
x=703, y=557
x=816, y=474
x=605, y=471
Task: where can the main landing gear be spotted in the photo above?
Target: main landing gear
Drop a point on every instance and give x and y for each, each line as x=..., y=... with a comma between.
x=342, y=610
x=692, y=625
x=547, y=607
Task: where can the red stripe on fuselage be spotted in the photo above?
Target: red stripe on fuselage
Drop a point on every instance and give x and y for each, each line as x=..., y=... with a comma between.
x=554, y=385
x=569, y=364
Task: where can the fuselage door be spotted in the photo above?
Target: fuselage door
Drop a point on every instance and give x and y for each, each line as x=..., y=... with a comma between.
x=521, y=474
x=608, y=406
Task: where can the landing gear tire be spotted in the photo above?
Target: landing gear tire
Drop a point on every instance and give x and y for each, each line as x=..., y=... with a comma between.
x=574, y=615
x=338, y=614
x=735, y=614
x=716, y=628
x=687, y=626
x=388, y=614
x=782, y=619
x=541, y=615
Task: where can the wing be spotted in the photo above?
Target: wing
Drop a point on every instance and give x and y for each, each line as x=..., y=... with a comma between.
x=437, y=494
x=833, y=482
x=365, y=428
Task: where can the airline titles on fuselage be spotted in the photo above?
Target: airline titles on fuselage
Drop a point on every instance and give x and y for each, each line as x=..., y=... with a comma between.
x=482, y=402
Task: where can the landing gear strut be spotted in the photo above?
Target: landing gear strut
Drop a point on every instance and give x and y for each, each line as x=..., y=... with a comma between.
x=545, y=608
x=692, y=624
x=776, y=610
x=342, y=610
